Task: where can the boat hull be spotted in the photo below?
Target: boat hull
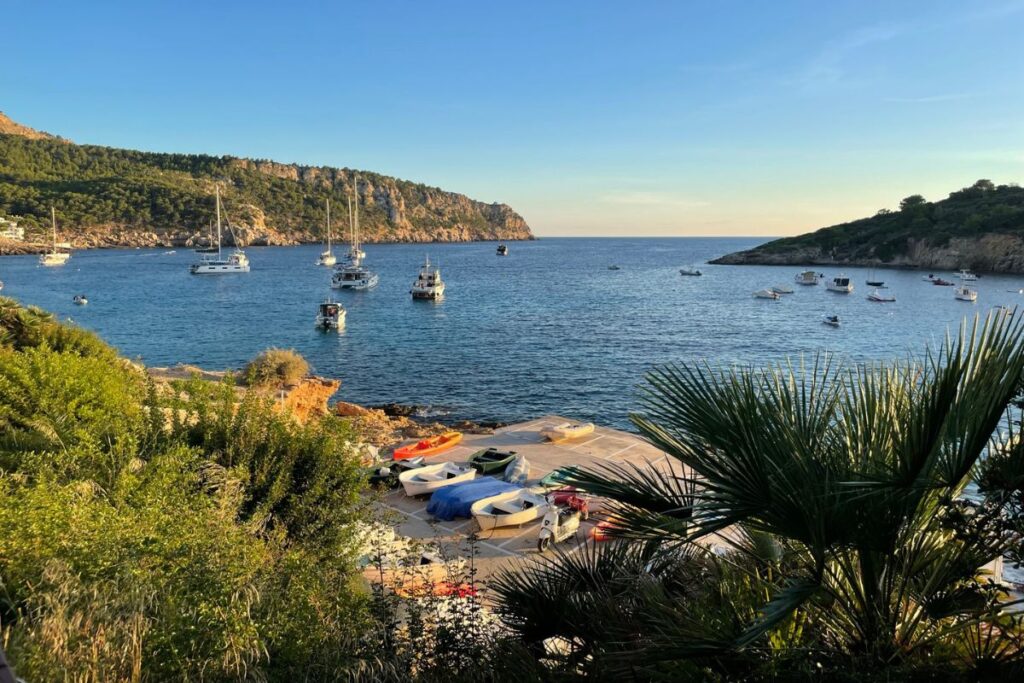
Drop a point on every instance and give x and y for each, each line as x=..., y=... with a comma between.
x=567, y=432
x=415, y=484
x=500, y=510
x=428, y=447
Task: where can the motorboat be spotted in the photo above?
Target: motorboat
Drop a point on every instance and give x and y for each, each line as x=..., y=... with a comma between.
x=841, y=284
x=942, y=283
x=386, y=474
x=80, y=300
x=767, y=294
x=880, y=284
x=330, y=315
x=428, y=284
x=614, y=267
x=832, y=320
x=512, y=508
x=965, y=293
x=60, y=252
x=491, y=460
x=568, y=430
x=236, y=262
x=429, y=446
x=877, y=296
x=502, y=250
x=781, y=289
x=694, y=272
x=423, y=480
x=327, y=257
x=967, y=276
x=808, y=277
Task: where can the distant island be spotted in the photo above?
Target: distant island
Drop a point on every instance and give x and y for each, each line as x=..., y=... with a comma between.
x=980, y=227
x=109, y=197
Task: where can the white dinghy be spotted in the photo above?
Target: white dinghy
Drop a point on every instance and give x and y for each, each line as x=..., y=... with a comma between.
x=432, y=477
x=512, y=508
x=567, y=430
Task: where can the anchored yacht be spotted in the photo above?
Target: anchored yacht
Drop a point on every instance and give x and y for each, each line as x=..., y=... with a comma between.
x=327, y=257
x=60, y=252
x=841, y=284
x=236, y=262
x=429, y=284
x=808, y=277
x=330, y=315
x=354, y=275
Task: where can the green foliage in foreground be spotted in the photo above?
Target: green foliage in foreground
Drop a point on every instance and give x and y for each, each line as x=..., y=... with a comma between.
x=837, y=496
x=166, y=535
x=276, y=368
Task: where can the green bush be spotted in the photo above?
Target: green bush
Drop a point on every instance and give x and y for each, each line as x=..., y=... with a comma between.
x=276, y=368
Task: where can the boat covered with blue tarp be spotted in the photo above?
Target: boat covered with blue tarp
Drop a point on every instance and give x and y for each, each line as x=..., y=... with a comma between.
x=456, y=500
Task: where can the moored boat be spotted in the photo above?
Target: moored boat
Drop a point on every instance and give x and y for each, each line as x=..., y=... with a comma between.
x=432, y=477
x=690, y=271
x=841, y=284
x=942, y=283
x=767, y=294
x=512, y=508
x=502, y=250
x=965, y=293
x=878, y=297
x=327, y=257
x=428, y=284
x=330, y=315
x=967, y=276
x=80, y=300
x=567, y=430
x=236, y=262
x=60, y=252
x=808, y=277
x=491, y=460
x=830, y=320
x=429, y=446
x=781, y=289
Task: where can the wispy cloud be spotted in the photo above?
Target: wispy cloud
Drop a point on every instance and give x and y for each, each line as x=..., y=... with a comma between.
x=653, y=200
x=828, y=66
x=929, y=99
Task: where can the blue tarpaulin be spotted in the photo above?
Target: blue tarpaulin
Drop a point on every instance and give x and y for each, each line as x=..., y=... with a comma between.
x=456, y=500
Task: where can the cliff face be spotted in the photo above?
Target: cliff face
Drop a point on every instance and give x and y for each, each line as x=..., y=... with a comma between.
x=108, y=197
x=979, y=227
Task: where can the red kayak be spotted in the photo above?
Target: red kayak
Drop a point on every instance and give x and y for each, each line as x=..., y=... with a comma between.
x=430, y=446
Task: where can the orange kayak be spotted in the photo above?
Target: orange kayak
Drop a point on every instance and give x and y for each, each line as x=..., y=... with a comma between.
x=430, y=446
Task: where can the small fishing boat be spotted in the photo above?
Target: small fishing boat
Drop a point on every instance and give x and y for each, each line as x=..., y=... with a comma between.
x=568, y=430
x=808, y=277
x=965, y=293
x=841, y=284
x=942, y=283
x=429, y=446
x=875, y=283
x=502, y=250
x=694, y=272
x=491, y=460
x=512, y=508
x=614, y=267
x=386, y=475
x=967, y=276
x=80, y=300
x=767, y=294
x=330, y=315
x=432, y=477
x=781, y=289
x=878, y=297
x=831, y=320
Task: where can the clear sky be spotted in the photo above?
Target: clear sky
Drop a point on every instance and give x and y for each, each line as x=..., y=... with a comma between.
x=589, y=118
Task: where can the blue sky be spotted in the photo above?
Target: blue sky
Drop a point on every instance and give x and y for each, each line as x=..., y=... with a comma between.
x=589, y=118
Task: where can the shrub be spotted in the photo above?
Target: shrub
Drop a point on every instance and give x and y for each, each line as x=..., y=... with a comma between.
x=276, y=368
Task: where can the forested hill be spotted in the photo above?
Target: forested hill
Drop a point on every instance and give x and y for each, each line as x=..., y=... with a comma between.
x=106, y=196
x=979, y=227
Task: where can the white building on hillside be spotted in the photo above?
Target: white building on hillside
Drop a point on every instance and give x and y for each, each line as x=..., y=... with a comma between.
x=9, y=230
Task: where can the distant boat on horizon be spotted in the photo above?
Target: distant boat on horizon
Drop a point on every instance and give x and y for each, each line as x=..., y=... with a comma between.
x=55, y=257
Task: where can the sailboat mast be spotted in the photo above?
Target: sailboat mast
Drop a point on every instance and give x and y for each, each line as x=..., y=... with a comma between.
x=328, y=225
x=218, y=221
x=355, y=191
x=53, y=221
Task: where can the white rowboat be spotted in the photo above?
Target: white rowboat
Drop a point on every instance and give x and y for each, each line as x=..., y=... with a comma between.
x=512, y=508
x=432, y=477
x=567, y=430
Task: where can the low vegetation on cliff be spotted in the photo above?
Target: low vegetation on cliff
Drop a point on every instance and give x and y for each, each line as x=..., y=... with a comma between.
x=980, y=227
x=117, y=194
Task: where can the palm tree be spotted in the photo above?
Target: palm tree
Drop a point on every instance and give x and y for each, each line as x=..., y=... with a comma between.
x=838, y=495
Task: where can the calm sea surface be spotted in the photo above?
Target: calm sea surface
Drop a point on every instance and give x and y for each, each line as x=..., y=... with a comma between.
x=548, y=328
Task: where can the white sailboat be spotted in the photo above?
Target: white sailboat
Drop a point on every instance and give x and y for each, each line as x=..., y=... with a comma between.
x=327, y=258
x=55, y=257
x=236, y=262
x=354, y=275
